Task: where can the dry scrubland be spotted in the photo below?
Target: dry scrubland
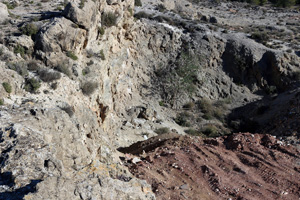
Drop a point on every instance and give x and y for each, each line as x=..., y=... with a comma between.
x=82, y=80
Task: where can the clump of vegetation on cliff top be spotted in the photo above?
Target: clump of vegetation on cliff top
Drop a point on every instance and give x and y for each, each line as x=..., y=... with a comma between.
x=109, y=19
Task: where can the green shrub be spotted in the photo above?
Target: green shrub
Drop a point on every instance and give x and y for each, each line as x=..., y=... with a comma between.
x=141, y=15
x=205, y=106
x=108, y=19
x=19, y=49
x=71, y=55
x=161, y=103
x=86, y=71
x=7, y=87
x=261, y=37
x=1, y=102
x=81, y=4
x=194, y=132
x=63, y=69
x=48, y=76
x=162, y=130
x=211, y=131
x=183, y=119
x=101, y=55
x=130, y=10
x=29, y=29
x=189, y=105
x=101, y=30
x=89, y=88
x=138, y=3
x=32, y=85
x=11, y=5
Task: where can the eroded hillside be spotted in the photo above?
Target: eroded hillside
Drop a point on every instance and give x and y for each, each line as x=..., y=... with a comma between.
x=83, y=78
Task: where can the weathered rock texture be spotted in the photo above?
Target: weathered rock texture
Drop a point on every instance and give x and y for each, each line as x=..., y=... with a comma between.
x=60, y=141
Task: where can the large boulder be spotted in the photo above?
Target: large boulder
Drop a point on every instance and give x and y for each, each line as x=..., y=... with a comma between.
x=84, y=15
x=3, y=12
x=61, y=35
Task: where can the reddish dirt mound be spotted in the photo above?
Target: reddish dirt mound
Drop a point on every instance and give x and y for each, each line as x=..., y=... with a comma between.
x=241, y=166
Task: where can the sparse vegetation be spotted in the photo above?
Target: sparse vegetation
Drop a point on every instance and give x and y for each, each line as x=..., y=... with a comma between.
x=162, y=130
x=71, y=55
x=29, y=29
x=1, y=102
x=68, y=109
x=20, y=68
x=261, y=37
x=10, y=5
x=7, y=87
x=47, y=75
x=183, y=119
x=81, y=4
x=161, y=103
x=211, y=131
x=86, y=71
x=109, y=19
x=130, y=10
x=189, y=105
x=141, y=15
x=32, y=85
x=194, y=132
x=19, y=50
x=63, y=69
x=138, y=3
x=89, y=88
x=101, y=54
x=32, y=65
x=101, y=30
x=211, y=111
x=179, y=79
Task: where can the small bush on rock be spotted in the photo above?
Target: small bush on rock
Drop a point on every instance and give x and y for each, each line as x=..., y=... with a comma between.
x=63, y=69
x=7, y=87
x=89, y=88
x=138, y=3
x=19, y=49
x=68, y=109
x=101, y=55
x=260, y=37
x=71, y=55
x=29, y=29
x=32, y=85
x=211, y=131
x=108, y=19
x=48, y=76
x=162, y=130
x=183, y=119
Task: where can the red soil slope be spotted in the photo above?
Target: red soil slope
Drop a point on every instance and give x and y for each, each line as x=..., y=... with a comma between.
x=241, y=166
